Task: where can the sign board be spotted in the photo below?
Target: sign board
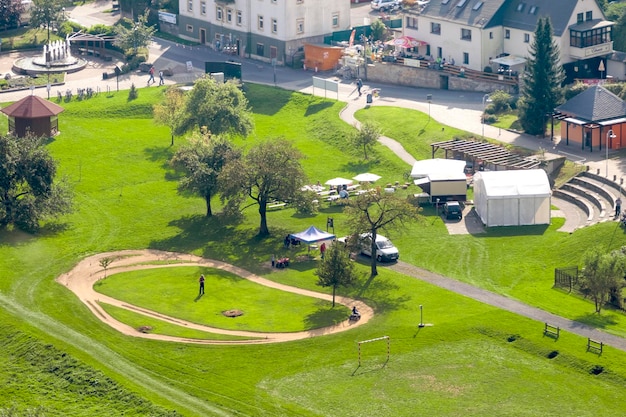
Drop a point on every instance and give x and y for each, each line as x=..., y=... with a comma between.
x=167, y=17
x=327, y=85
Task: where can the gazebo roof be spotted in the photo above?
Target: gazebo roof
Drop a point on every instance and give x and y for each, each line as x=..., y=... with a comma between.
x=594, y=104
x=32, y=107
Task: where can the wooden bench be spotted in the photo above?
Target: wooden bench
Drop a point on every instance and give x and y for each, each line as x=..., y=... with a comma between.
x=594, y=345
x=552, y=331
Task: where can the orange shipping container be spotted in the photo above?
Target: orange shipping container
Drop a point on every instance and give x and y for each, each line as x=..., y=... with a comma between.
x=321, y=57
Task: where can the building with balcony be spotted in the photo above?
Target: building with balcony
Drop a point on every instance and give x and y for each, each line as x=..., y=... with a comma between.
x=267, y=30
x=497, y=33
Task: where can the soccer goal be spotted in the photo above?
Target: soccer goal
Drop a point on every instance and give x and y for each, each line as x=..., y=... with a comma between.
x=378, y=339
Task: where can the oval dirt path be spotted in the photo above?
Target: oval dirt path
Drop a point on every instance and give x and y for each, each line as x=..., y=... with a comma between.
x=84, y=275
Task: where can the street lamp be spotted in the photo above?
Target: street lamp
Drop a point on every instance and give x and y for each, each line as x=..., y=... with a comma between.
x=609, y=135
x=429, y=97
x=135, y=39
x=48, y=73
x=486, y=100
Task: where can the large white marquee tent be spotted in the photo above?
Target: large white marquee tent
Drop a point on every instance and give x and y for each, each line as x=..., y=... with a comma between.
x=512, y=198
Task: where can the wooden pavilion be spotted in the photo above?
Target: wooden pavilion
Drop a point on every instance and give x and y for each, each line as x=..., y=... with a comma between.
x=33, y=115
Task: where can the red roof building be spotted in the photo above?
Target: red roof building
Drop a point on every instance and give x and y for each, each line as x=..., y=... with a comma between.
x=33, y=115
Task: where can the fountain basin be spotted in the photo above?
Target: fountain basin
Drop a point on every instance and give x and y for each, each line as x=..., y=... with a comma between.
x=31, y=66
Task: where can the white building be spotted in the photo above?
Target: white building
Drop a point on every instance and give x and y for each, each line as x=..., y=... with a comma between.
x=262, y=29
x=480, y=33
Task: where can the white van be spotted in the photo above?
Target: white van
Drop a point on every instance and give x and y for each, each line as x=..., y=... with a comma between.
x=385, y=251
x=383, y=5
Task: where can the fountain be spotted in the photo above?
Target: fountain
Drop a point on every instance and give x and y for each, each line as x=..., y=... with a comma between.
x=55, y=57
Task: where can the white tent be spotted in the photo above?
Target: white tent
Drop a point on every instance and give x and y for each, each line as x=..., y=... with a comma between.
x=512, y=198
x=312, y=235
x=427, y=167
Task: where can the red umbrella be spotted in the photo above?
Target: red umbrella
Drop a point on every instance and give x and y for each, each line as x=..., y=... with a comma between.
x=406, y=42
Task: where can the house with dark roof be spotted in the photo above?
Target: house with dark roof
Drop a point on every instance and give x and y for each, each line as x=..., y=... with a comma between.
x=494, y=33
x=593, y=119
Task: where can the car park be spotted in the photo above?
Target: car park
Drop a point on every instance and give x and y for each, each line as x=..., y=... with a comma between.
x=385, y=250
x=452, y=210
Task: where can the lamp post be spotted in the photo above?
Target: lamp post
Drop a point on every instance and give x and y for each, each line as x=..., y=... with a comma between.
x=486, y=99
x=135, y=39
x=48, y=73
x=429, y=97
x=609, y=135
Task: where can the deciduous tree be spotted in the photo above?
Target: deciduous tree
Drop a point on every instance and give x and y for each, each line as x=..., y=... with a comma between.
x=221, y=107
x=602, y=273
x=134, y=34
x=169, y=111
x=541, y=91
x=10, y=12
x=45, y=13
x=270, y=171
x=371, y=212
x=366, y=137
x=28, y=190
x=336, y=269
x=202, y=161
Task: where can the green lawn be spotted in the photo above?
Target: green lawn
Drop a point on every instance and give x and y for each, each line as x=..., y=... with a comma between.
x=475, y=360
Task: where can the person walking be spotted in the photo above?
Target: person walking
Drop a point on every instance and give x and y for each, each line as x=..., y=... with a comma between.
x=161, y=80
x=323, y=249
x=618, y=206
x=359, y=85
x=201, y=281
x=151, y=79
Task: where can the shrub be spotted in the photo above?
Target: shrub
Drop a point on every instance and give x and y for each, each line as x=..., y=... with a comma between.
x=490, y=109
x=490, y=119
x=68, y=27
x=133, y=93
x=488, y=69
x=574, y=89
x=500, y=101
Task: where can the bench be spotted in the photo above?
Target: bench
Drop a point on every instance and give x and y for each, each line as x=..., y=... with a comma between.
x=594, y=345
x=552, y=331
x=276, y=206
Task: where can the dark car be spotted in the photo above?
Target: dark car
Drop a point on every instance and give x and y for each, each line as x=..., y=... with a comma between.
x=452, y=210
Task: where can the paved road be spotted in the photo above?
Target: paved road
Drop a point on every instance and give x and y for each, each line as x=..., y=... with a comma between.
x=457, y=109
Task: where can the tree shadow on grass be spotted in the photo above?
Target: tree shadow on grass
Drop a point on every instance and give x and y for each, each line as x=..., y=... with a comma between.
x=15, y=237
x=160, y=153
x=318, y=107
x=358, y=167
x=326, y=316
x=606, y=319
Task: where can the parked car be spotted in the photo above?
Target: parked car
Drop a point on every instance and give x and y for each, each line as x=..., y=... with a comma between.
x=452, y=210
x=383, y=5
x=385, y=250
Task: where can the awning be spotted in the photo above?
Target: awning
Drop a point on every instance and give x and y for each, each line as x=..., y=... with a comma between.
x=612, y=121
x=509, y=60
x=406, y=42
x=575, y=121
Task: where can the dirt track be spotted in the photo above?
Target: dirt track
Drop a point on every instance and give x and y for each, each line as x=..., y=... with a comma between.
x=84, y=275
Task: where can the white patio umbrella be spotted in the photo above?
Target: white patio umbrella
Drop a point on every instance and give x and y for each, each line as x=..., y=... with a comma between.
x=338, y=181
x=367, y=177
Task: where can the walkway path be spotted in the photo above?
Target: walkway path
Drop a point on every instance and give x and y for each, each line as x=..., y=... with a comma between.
x=83, y=276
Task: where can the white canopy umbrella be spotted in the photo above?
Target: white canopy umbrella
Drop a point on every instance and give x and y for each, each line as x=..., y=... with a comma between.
x=338, y=181
x=367, y=177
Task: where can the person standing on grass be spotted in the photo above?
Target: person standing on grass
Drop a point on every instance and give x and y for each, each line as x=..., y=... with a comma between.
x=323, y=249
x=618, y=206
x=201, y=281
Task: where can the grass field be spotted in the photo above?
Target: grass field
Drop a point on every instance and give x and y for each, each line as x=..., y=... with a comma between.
x=474, y=360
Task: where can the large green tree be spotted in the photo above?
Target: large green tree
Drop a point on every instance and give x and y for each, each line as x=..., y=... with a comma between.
x=202, y=161
x=336, y=269
x=366, y=137
x=541, y=87
x=220, y=107
x=134, y=35
x=45, y=13
x=370, y=212
x=603, y=273
x=28, y=190
x=271, y=170
x=10, y=12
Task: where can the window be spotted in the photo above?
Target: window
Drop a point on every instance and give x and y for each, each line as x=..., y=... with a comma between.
x=589, y=15
x=465, y=58
x=190, y=5
x=411, y=22
x=189, y=28
x=203, y=7
x=444, y=2
x=478, y=5
x=520, y=7
x=526, y=37
x=260, y=49
x=300, y=26
x=533, y=10
x=466, y=34
x=239, y=17
x=507, y=34
x=229, y=15
x=260, y=22
x=274, y=25
x=461, y=3
x=435, y=28
x=439, y=52
x=219, y=13
x=335, y=20
x=490, y=35
x=579, y=18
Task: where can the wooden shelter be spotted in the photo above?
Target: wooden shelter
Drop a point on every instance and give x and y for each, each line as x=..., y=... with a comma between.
x=33, y=115
x=492, y=156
